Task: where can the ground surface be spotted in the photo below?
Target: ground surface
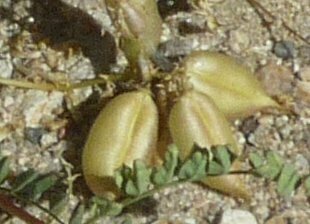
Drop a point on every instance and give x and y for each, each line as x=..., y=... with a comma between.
x=40, y=128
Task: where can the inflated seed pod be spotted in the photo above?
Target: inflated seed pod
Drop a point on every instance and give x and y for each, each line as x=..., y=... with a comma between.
x=125, y=130
x=231, y=86
x=195, y=119
x=140, y=27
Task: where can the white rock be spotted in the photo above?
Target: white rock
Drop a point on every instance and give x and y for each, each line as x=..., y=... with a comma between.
x=38, y=104
x=189, y=221
x=49, y=139
x=6, y=68
x=237, y=216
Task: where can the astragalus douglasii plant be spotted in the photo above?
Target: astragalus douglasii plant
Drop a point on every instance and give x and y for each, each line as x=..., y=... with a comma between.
x=126, y=157
x=206, y=91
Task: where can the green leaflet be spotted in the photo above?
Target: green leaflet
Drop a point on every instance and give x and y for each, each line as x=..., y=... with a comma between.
x=164, y=174
x=268, y=167
x=307, y=186
x=4, y=169
x=77, y=215
x=24, y=179
x=121, y=175
x=57, y=203
x=288, y=180
x=41, y=185
x=32, y=185
x=221, y=161
x=128, y=220
x=140, y=180
x=194, y=168
x=256, y=160
x=134, y=181
x=106, y=207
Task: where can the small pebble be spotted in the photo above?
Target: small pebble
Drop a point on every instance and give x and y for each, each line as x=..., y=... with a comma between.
x=6, y=68
x=189, y=221
x=168, y=7
x=266, y=120
x=249, y=125
x=239, y=41
x=34, y=135
x=276, y=79
x=302, y=163
x=48, y=139
x=284, y=49
x=276, y=220
x=304, y=53
x=305, y=73
x=302, y=94
x=237, y=216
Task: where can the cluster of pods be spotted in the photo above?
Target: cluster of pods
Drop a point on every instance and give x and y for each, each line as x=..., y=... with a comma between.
x=218, y=90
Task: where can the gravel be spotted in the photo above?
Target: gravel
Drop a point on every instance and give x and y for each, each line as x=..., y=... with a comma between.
x=58, y=121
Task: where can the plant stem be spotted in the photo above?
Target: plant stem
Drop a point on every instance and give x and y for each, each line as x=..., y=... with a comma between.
x=130, y=201
x=27, y=85
x=27, y=201
x=255, y=4
x=58, y=87
x=8, y=206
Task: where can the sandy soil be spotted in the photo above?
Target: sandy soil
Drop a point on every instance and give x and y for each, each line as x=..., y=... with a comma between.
x=62, y=42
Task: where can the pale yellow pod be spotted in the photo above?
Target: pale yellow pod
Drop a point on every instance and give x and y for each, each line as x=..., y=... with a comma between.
x=140, y=27
x=229, y=84
x=125, y=130
x=195, y=119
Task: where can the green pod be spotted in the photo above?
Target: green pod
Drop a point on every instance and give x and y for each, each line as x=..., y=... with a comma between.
x=125, y=130
x=230, y=85
x=195, y=119
x=140, y=27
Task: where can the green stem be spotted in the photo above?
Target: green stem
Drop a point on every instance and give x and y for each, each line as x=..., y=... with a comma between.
x=237, y=172
x=58, y=87
x=130, y=201
x=27, y=85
